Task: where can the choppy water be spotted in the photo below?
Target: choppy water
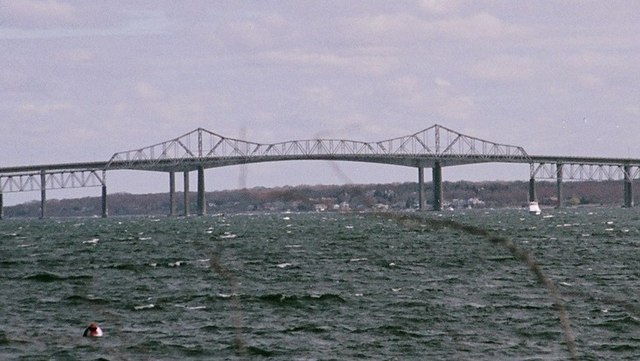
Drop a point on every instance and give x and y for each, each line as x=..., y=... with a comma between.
x=319, y=287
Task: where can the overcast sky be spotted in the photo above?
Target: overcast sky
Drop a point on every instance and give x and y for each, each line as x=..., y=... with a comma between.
x=81, y=80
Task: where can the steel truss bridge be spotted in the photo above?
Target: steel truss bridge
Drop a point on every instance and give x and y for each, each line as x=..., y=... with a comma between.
x=434, y=147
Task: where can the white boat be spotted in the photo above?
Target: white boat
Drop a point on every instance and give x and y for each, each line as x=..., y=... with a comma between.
x=534, y=208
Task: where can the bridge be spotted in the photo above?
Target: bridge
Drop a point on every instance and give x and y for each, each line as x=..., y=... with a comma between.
x=434, y=147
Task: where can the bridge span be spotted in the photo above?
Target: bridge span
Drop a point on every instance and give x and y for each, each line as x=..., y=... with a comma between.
x=435, y=147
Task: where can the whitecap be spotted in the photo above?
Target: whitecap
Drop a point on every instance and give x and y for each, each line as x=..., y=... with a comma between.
x=92, y=241
x=144, y=307
x=284, y=265
x=196, y=307
x=358, y=259
x=396, y=289
x=190, y=307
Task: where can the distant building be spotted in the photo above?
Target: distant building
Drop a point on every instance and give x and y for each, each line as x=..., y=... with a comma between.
x=320, y=207
x=473, y=202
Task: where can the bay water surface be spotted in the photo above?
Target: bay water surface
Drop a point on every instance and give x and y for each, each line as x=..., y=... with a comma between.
x=321, y=286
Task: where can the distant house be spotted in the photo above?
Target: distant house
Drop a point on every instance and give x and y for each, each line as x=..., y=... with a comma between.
x=320, y=207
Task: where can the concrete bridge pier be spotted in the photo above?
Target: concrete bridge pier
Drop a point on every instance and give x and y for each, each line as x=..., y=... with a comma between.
x=532, y=189
x=43, y=194
x=421, y=188
x=1, y=207
x=437, y=186
x=186, y=193
x=628, y=187
x=105, y=209
x=202, y=202
x=559, y=185
x=172, y=194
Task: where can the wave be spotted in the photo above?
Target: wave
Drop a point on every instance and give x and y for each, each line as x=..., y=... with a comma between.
x=147, y=306
x=390, y=330
x=79, y=299
x=618, y=347
x=300, y=300
x=210, y=328
x=309, y=328
x=9, y=235
x=258, y=351
x=619, y=323
x=125, y=266
x=53, y=277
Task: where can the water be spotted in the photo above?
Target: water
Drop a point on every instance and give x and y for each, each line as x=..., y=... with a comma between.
x=320, y=287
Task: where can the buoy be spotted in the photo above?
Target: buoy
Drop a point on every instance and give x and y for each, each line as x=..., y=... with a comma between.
x=93, y=330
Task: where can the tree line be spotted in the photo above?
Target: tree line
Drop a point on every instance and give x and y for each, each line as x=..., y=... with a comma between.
x=398, y=196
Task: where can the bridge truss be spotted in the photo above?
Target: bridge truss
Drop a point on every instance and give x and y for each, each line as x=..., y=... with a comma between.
x=201, y=146
x=36, y=181
x=582, y=171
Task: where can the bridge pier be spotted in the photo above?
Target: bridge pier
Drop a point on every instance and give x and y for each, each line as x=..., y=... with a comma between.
x=437, y=186
x=172, y=194
x=559, y=185
x=421, y=188
x=105, y=209
x=532, y=189
x=43, y=194
x=1, y=207
x=186, y=193
x=202, y=202
x=628, y=187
